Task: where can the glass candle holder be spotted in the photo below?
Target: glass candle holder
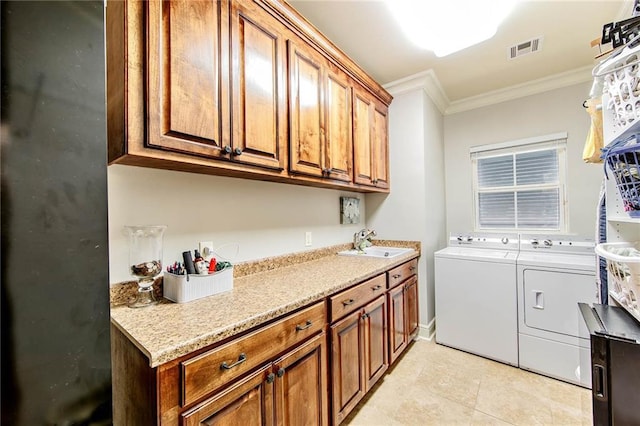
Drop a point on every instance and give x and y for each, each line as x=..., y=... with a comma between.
x=145, y=260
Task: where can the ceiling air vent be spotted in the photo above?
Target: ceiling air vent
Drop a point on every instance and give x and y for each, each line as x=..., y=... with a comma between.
x=525, y=47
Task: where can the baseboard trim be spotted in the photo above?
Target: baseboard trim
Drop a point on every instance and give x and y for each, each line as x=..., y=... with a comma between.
x=427, y=332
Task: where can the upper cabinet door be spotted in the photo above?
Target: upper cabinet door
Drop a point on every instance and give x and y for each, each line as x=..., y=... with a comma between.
x=187, y=58
x=362, y=126
x=339, y=142
x=258, y=87
x=380, y=146
x=306, y=110
x=370, y=140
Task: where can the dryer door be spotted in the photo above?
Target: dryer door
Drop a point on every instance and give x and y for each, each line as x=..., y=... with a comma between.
x=551, y=300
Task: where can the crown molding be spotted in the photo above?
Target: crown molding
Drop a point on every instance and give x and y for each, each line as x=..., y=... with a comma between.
x=428, y=81
x=425, y=80
x=556, y=81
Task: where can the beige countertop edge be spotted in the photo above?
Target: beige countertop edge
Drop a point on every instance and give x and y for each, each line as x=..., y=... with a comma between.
x=168, y=331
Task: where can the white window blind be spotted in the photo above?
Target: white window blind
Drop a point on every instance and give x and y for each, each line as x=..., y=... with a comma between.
x=520, y=186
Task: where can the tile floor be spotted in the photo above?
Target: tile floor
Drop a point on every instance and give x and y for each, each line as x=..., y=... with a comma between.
x=436, y=385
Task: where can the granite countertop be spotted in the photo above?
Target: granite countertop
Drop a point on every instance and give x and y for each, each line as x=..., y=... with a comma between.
x=167, y=331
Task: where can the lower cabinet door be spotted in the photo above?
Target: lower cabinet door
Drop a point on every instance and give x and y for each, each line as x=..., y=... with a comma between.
x=375, y=338
x=301, y=385
x=347, y=346
x=249, y=402
x=397, y=324
x=411, y=305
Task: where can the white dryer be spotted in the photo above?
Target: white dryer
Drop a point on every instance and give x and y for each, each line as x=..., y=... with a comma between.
x=555, y=273
x=475, y=295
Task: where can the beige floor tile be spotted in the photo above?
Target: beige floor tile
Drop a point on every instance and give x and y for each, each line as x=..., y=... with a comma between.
x=434, y=384
x=431, y=409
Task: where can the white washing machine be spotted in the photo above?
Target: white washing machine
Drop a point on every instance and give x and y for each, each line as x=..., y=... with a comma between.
x=475, y=292
x=555, y=273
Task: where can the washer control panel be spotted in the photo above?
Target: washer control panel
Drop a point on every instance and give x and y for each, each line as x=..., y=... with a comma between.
x=485, y=240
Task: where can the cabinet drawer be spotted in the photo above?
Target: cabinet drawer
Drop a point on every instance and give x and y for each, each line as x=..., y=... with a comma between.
x=211, y=370
x=349, y=300
x=402, y=272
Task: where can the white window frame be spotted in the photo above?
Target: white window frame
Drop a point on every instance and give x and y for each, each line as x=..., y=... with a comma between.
x=539, y=143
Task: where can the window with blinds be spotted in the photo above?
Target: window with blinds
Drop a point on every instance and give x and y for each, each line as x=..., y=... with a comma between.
x=520, y=185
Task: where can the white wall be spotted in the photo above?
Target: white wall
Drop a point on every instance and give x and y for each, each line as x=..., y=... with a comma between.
x=414, y=210
x=263, y=219
x=554, y=111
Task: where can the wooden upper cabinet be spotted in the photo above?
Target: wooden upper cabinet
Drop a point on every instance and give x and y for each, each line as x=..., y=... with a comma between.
x=242, y=88
x=339, y=142
x=306, y=110
x=320, y=116
x=187, y=60
x=370, y=140
x=258, y=61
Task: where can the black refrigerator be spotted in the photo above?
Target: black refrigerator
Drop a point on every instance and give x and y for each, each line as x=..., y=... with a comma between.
x=55, y=286
x=615, y=364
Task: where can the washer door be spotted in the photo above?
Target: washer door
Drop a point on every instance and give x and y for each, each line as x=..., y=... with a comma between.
x=551, y=300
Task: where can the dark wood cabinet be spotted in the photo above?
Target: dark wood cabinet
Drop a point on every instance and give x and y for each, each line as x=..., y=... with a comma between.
x=258, y=88
x=186, y=74
x=347, y=346
x=403, y=308
x=276, y=373
x=370, y=140
x=320, y=116
x=242, y=88
x=397, y=332
x=289, y=391
x=376, y=360
x=359, y=355
x=358, y=343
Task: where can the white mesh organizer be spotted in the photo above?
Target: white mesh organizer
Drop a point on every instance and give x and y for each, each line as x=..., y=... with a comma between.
x=621, y=81
x=623, y=264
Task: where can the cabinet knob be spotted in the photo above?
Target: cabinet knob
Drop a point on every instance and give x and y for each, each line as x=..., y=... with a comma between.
x=365, y=316
x=396, y=276
x=242, y=358
x=325, y=171
x=280, y=372
x=348, y=302
x=270, y=378
x=237, y=151
x=227, y=149
x=376, y=287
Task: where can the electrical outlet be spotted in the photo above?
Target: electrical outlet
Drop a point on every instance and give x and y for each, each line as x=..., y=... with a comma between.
x=307, y=239
x=205, y=248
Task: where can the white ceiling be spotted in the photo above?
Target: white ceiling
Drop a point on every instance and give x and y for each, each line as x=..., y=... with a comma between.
x=366, y=32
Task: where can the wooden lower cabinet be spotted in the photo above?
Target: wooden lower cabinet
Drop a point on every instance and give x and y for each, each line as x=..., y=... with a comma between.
x=359, y=355
x=397, y=333
x=277, y=373
x=290, y=391
x=403, y=316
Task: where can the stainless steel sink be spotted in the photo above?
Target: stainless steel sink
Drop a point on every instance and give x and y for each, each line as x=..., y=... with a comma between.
x=377, y=251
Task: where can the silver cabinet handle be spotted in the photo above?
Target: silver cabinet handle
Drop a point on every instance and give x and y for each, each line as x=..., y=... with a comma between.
x=303, y=327
x=242, y=358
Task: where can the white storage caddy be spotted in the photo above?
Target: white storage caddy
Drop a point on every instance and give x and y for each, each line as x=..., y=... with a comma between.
x=621, y=78
x=623, y=264
x=185, y=288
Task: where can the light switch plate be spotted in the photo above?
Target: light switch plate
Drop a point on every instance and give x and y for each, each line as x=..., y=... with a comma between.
x=308, y=239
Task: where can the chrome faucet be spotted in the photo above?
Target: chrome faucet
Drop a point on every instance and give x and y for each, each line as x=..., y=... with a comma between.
x=362, y=239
